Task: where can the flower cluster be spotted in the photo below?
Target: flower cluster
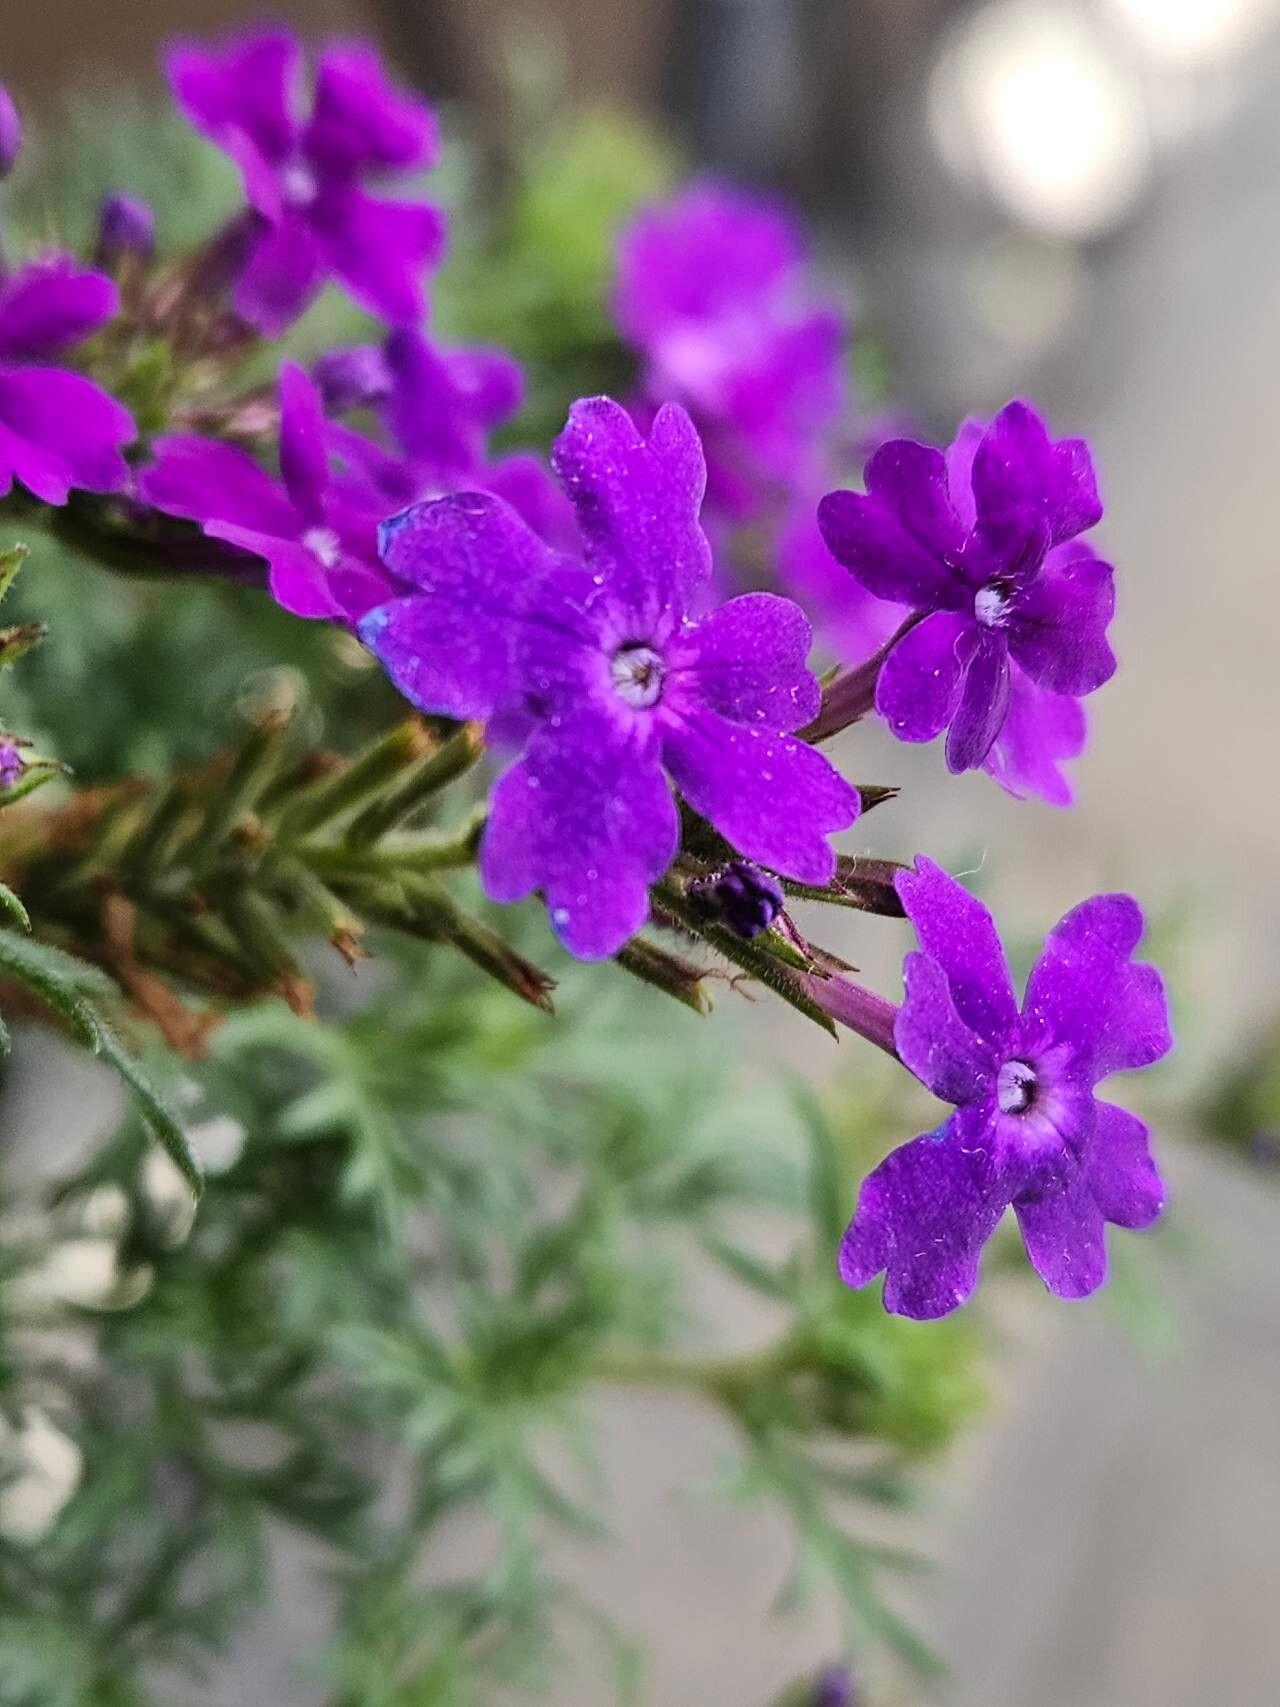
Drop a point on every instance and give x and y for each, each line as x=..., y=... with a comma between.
x=658, y=747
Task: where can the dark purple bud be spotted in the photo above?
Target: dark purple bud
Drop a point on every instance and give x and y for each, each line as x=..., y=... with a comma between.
x=12, y=764
x=834, y=1687
x=10, y=132
x=126, y=227
x=742, y=898
x=352, y=379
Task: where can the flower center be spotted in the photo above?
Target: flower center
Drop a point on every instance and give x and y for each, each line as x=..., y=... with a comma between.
x=324, y=545
x=298, y=184
x=1016, y=1087
x=638, y=673
x=991, y=603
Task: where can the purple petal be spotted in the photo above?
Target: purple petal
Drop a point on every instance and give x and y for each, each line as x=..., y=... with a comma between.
x=1122, y=1176
x=525, y=481
x=637, y=503
x=283, y=273
x=587, y=817
x=491, y=382
x=1040, y=731
x=957, y=931
x=1058, y=628
x=960, y=454
x=10, y=132
x=361, y=119
x=920, y=679
x=380, y=250
x=304, y=450
x=783, y=396
x=1084, y=991
x=206, y=480
x=298, y=577
x=1017, y=465
x=246, y=87
x=750, y=660
x=776, y=799
x=984, y=700
x=474, y=560
x=425, y=411
x=934, y=1042
x=373, y=477
x=1063, y=1233
x=59, y=431
x=352, y=378
x=924, y=1215
x=50, y=304
x=898, y=536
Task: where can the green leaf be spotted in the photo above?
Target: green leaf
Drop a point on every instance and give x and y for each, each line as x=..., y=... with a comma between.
x=160, y=1118
x=10, y=903
x=11, y=560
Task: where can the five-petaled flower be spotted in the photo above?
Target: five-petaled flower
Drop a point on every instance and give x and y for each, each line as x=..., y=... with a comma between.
x=593, y=669
x=58, y=430
x=304, y=177
x=1027, y=1130
x=320, y=547
x=714, y=289
x=981, y=542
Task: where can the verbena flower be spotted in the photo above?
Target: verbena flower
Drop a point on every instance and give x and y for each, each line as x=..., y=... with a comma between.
x=591, y=666
x=981, y=543
x=1028, y=1130
x=58, y=430
x=714, y=289
x=320, y=548
x=305, y=176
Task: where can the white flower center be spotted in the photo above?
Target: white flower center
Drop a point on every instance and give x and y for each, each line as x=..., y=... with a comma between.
x=991, y=604
x=638, y=673
x=324, y=545
x=1015, y=1087
x=298, y=184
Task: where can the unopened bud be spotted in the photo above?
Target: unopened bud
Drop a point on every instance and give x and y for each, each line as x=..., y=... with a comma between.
x=835, y=1687
x=12, y=764
x=10, y=132
x=126, y=229
x=741, y=897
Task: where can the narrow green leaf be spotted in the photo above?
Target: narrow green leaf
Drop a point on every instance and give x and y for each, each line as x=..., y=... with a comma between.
x=11, y=904
x=11, y=560
x=160, y=1118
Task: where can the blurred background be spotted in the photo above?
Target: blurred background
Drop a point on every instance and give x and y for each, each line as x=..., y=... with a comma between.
x=1072, y=200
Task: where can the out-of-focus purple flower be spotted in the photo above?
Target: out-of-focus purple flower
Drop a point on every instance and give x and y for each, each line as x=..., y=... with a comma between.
x=981, y=542
x=10, y=133
x=12, y=763
x=1027, y=1130
x=590, y=666
x=744, y=899
x=714, y=290
x=320, y=549
x=305, y=176
x=58, y=430
x=126, y=227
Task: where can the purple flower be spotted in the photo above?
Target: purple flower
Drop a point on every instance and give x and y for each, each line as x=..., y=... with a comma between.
x=714, y=290
x=10, y=133
x=851, y=621
x=126, y=226
x=320, y=549
x=591, y=667
x=744, y=899
x=1027, y=1130
x=304, y=177
x=981, y=543
x=57, y=429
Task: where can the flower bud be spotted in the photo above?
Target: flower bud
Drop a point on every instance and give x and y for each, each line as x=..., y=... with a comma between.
x=12, y=763
x=742, y=898
x=10, y=132
x=126, y=228
x=352, y=379
x=835, y=1687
